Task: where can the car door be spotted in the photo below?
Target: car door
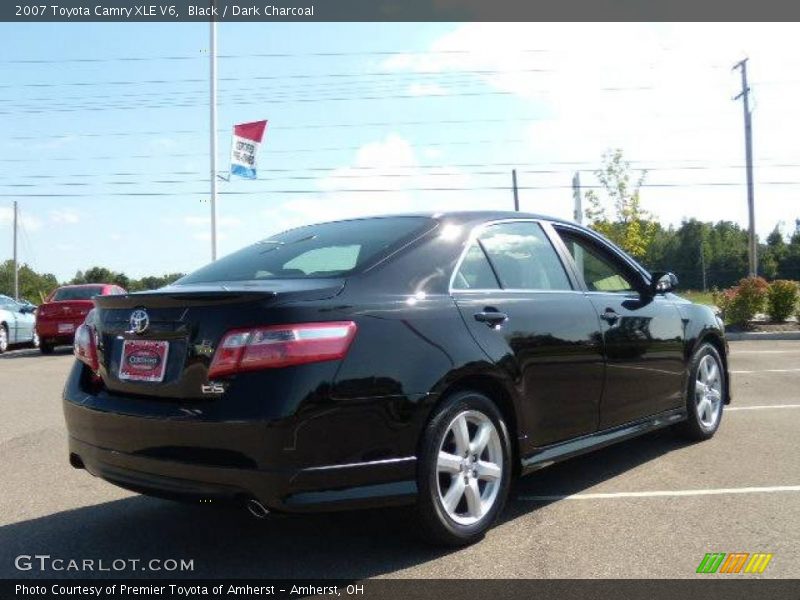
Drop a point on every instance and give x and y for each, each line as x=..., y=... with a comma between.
x=524, y=310
x=15, y=324
x=643, y=333
x=26, y=321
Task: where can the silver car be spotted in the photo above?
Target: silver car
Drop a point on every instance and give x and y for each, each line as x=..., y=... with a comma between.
x=17, y=323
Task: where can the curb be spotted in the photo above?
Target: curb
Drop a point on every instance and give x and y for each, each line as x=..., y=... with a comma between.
x=762, y=335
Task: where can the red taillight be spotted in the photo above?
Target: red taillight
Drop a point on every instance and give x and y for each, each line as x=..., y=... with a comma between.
x=281, y=346
x=85, y=347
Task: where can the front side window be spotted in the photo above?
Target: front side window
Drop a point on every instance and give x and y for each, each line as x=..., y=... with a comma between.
x=523, y=257
x=601, y=271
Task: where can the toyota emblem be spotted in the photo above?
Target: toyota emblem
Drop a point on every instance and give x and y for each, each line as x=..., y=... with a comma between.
x=140, y=321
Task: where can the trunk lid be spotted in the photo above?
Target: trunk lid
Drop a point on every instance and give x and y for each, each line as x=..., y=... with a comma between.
x=191, y=320
x=64, y=310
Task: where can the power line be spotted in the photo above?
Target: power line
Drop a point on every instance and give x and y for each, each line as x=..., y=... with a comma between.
x=288, y=151
x=301, y=76
x=254, y=100
x=203, y=55
x=382, y=174
x=386, y=190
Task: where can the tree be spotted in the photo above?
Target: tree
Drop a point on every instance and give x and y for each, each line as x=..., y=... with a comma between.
x=32, y=285
x=631, y=227
x=101, y=275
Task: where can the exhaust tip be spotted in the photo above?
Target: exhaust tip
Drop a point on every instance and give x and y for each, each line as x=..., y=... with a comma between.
x=255, y=508
x=76, y=461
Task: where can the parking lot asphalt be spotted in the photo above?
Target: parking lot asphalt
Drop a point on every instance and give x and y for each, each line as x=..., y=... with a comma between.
x=650, y=507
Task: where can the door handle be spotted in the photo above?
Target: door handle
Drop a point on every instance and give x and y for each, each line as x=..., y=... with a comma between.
x=491, y=317
x=610, y=316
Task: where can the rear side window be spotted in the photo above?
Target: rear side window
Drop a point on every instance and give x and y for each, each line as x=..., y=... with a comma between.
x=326, y=250
x=77, y=293
x=475, y=272
x=523, y=257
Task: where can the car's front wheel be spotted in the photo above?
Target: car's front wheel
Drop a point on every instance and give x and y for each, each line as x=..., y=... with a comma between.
x=3, y=338
x=464, y=470
x=705, y=396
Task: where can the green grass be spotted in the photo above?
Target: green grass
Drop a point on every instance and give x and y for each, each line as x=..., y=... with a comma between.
x=696, y=296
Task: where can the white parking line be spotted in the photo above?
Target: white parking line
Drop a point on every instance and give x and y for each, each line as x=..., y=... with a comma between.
x=735, y=352
x=761, y=407
x=664, y=493
x=769, y=371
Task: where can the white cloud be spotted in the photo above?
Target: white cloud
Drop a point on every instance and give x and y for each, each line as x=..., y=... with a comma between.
x=198, y=221
x=661, y=92
x=27, y=221
x=426, y=89
x=384, y=177
x=64, y=216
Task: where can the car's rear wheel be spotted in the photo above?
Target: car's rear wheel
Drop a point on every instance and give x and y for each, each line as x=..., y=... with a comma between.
x=464, y=470
x=45, y=348
x=705, y=396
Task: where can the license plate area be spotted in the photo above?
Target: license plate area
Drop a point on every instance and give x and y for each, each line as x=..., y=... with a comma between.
x=66, y=328
x=143, y=360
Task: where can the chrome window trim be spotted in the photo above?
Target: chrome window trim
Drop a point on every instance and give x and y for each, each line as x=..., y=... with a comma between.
x=473, y=236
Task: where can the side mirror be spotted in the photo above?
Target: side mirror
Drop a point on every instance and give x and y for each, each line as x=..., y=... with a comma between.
x=26, y=309
x=663, y=282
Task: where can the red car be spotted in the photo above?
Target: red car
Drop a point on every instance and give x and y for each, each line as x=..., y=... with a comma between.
x=65, y=309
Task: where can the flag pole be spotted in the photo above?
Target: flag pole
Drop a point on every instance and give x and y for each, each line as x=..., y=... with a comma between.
x=213, y=134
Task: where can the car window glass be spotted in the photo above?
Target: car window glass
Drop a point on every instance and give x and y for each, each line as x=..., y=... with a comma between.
x=330, y=258
x=601, y=271
x=523, y=257
x=325, y=250
x=77, y=293
x=475, y=272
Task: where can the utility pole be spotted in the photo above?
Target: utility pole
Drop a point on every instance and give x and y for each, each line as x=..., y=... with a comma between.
x=516, y=193
x=213, y=133
x=577, y=213
x=703, y=265
x=16, y=264
x=748, y=149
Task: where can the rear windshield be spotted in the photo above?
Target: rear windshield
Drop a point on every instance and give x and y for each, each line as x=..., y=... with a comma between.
x=77, y=293
x=315, y=251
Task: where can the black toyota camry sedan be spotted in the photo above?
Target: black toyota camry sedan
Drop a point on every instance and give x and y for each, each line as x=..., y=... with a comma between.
x=416, y=359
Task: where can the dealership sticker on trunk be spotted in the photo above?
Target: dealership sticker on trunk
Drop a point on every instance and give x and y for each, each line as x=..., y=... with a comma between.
x=66, y=328
x=143, y=360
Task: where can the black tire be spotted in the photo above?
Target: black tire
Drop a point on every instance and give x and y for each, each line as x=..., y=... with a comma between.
x=436, y=525
x=693, y=427
x=46, y=348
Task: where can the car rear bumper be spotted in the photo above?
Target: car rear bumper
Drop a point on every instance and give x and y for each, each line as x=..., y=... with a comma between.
x=48, y=330
x=232, y=460
x=304, y=490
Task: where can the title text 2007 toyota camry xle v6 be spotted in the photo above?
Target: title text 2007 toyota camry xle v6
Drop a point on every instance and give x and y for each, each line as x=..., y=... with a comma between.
x=415, y=359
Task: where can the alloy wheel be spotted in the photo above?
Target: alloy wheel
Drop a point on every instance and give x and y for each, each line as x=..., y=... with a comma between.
x=3, y=339
x=469, y=467
x=708, y=392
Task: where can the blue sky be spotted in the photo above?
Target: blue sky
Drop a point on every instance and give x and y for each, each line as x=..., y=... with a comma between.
x=546, y=98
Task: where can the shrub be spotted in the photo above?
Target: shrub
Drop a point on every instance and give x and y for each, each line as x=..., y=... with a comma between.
x=782, y=299
x=741, y=303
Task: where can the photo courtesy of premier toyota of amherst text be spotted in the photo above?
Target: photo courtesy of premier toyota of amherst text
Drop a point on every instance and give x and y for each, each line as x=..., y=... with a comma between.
x=366, y=301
